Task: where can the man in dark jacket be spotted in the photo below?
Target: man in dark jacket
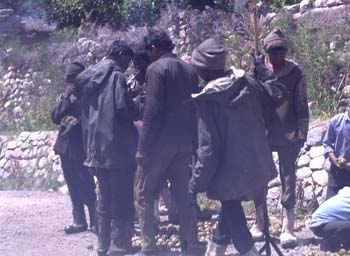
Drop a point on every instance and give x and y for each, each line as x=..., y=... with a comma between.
x=110, y=138
x=287, y=132
x=234, y=158
x=166, y=141
x=69, y=145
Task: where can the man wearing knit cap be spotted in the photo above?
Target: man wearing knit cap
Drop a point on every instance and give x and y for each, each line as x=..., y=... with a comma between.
x=287, y=132
x=166, y=141
x=234, y=158
x=69, y=146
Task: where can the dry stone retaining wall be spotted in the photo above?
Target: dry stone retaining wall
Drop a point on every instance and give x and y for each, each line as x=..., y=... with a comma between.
x=27, y=161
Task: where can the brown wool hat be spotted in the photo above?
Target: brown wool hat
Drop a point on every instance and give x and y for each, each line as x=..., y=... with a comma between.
x=210, y=55
x=275, y=39
x=74, y=69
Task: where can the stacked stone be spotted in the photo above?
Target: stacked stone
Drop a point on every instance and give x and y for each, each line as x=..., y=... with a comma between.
x=28, y=162
x=312, y=172
x=16, y=95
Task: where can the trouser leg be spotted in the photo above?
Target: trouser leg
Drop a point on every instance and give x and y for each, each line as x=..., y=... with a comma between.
x=336, y=181
x=232, y=226
x=104, y=212
x=333, y=234
x=71, y=175
x=179, y=176
x=122, y=184
x=287, y=157
x=147, y=180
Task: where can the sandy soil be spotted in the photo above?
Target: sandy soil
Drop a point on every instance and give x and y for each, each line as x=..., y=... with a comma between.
x=31, y=224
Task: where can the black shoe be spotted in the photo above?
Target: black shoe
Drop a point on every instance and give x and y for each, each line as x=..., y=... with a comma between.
x=75, y=228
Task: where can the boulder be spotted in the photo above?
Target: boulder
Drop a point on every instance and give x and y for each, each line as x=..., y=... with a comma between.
x=317, y=163
x=295, y=8
x=304, y=160
x=273, y=193
x=316, y=134
x=316, y=151
x=303, y=173
x=331, y=3
x=320, y=177
x=305, y=5
x=320, y=3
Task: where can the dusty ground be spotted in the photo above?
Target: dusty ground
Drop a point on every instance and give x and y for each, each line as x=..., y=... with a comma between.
x=31, y=224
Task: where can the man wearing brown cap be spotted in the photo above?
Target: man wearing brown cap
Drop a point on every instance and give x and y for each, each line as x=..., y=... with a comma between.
x=234, y=158
x=287, y=132
x=69, y=146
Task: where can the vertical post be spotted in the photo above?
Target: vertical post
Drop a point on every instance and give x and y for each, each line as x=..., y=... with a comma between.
x=255, y=27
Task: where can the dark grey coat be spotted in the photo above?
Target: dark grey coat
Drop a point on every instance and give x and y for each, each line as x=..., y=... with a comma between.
x=110, y=137
x=234, y=157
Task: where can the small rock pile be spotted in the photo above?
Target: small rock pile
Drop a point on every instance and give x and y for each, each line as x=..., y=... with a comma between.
x=28, y=162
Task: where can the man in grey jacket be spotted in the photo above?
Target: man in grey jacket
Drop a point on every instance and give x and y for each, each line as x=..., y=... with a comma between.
x=234, y=158
x=110, y=139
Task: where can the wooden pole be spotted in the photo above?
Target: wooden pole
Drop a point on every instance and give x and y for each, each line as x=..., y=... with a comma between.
x=255, y=28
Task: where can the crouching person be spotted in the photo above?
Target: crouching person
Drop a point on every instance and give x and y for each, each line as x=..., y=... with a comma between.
x=234, y=158
x=111, y=138
x=331, y=221
x=69, y=146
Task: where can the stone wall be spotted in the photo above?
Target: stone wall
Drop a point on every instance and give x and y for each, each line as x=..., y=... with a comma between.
x=28, y=162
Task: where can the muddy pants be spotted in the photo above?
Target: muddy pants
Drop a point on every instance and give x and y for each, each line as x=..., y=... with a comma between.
x=287, y=156
x=337, y=179
x=115, y=202
x=164, y=162
x=232, y=227
x=334, y=234
x=81, y=186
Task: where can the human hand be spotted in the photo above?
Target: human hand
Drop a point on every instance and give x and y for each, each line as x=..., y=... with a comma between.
x=343, y=164
x=69, y=91
x=258, y=59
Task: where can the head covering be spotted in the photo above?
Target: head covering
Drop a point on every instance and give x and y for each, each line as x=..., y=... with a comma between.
x=209, y=55
x=275, y=39
x=74, y=69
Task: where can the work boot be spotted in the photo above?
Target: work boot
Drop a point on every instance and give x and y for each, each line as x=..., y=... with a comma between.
x=79, y=219
x=92, y=217
x=252, y=252
x=214, y=249
x=103, y=235
x=287, y=238
x=257, y=229
x=121, y=243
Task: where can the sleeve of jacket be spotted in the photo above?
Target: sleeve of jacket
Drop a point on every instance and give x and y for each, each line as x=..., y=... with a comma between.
x=153, y=113
x=125, y=107
x=60, y=109
x=301, y=108
x=273, y=92
x=329, y=139
x=208, y=150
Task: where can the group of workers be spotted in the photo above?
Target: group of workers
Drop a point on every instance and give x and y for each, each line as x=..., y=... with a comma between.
x=165, y=128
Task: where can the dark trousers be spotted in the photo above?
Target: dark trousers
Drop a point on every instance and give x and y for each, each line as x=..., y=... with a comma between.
x=81, y=186
x=115, y=201
x=334, y=234
x=164, y=162
x=287, y=156
x=337, y=179
x=232, y=227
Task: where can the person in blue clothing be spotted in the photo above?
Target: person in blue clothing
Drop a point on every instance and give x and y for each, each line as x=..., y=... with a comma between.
x=337, y=148
x=331, y=221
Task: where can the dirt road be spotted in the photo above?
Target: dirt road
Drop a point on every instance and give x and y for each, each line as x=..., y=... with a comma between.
x=31, y=224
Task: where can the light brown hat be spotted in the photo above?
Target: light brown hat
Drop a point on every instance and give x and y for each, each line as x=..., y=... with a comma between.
x=275, y=39
x=210, y=55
